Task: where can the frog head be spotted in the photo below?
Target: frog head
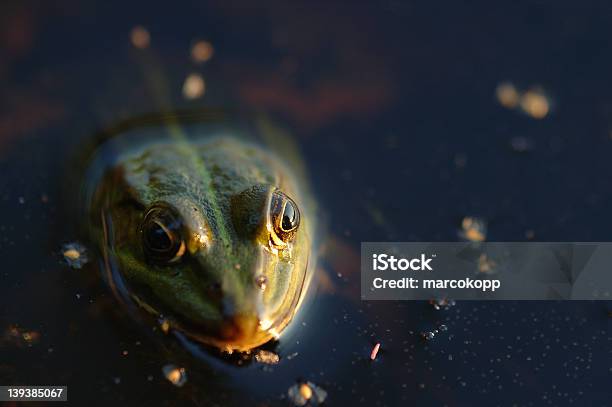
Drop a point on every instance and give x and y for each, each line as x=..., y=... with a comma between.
x=211, y=239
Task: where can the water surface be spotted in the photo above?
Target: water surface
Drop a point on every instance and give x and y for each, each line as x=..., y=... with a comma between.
x=394, y=108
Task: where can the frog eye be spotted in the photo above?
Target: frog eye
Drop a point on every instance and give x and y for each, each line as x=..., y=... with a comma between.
x=161, y=235
x=285, y=216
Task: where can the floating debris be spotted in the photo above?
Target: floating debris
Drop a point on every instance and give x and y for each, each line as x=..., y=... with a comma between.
x=474, y=229
x=202, y=51
x=429, y=335
x=535, y=103
x=19, y=336
x=442, y=303
x=140, y=37
x=75, y=255
x=306, y=393
x=485, y=264
x=175, y=375
x=507, y=95
x=521, y=144
x=194, y=86
x=164, y=324
x=30, y=336
x=267, y=357
x=375, y=351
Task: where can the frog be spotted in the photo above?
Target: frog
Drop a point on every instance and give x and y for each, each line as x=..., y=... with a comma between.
x=209, y=232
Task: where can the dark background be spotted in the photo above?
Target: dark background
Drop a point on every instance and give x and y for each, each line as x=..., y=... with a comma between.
x=393, y=104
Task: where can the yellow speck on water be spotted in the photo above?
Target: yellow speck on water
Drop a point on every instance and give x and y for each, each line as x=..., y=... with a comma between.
x=535, y=104
x=165, y=326
x=140, y=38
x=305, y=391
x=175, y=375
x=474, y=235
x=72, y=254
x=474, y=229
x=75, y=255
x=485, y=264
x=202, y=51
x=507, y=95
x=20, y=336
x=194, y=86
x=30, y=336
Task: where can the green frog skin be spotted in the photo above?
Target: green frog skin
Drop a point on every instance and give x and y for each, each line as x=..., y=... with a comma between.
x=212, y=236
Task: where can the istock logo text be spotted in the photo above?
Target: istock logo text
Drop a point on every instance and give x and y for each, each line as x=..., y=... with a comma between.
x=386, y=262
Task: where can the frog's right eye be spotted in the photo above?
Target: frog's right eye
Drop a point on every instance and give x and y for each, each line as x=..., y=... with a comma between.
x=285, y=217
x=162, y=235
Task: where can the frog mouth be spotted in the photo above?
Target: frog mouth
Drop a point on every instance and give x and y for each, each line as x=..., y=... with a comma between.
x=240, y=332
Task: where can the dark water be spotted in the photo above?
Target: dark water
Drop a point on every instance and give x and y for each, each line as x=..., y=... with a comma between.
x=394, y=108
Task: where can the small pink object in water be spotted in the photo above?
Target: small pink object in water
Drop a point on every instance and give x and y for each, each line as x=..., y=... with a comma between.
x=375, y=351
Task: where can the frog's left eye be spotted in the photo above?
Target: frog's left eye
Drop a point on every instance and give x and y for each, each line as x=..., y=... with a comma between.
x=161, y=235
x=285, y=216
